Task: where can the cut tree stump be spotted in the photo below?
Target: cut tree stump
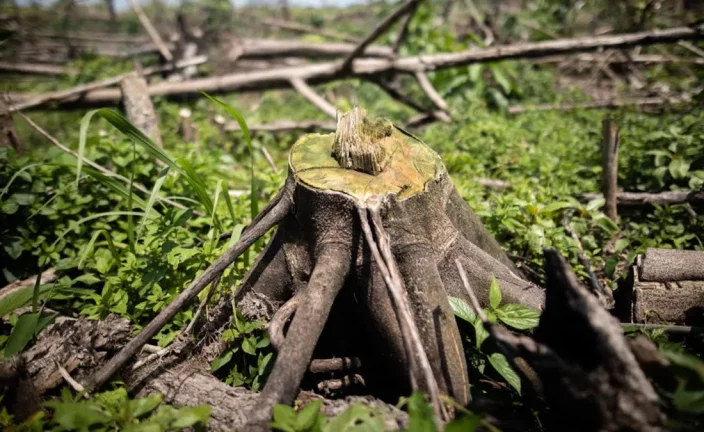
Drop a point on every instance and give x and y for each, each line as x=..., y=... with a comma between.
x=663, y=286
x=374, y=250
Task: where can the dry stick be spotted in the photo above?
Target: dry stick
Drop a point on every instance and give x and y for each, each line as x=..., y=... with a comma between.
x=153, y=33
x=97, y=167
x=693, y=48
x=394, y=282
x=470, y=292
x=306, y=91
x=640, y=58
x=602, y=293
x=396, y=94
x=76, y=92
x=269, y=159
x=430, y=91
x=676, y=329
x=602, y=103
x=248, y=238
x=75, y=385
x=285, y=126
x=635, y=199
x=378, y=31
x=211, y=291
x=32, y=68
x=609, y=165
x=403, y=30
x=367, y=67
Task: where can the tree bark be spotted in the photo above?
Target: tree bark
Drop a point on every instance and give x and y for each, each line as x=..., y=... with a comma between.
x=139, y=108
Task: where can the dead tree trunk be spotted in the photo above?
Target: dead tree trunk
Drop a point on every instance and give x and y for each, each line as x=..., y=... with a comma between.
x=139, y=108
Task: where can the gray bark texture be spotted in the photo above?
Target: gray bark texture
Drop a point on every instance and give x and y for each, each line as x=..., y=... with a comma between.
x=139, y=108
x=81, y=346
x=586, y=368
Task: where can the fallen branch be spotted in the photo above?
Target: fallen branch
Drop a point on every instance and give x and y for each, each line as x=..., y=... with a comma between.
x=286, y=126
x=379, y=30
x=603, y=103
x=76, y=93
x=430, y=91
x=153, y=33
x=403, y=30
x=306, y=91
x=367, y=67
x=635, y=199
x=32, y=68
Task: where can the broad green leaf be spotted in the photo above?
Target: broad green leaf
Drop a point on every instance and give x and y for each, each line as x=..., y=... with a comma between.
x=606, y=224
x=462, y=310
x=480, y=333
x=518, y=316
x=19, y=298
x=690, y=401
x=354, y=417
x=501, y=365
x=678, y=168
x=21, y=334
x=557, y=205
x=463, y=424
x=421, y=417
x=221, y=361
x=686, y=361
x=83, y=132
x=494, y=293
x=308, y=415
x=145, y=405
x=595, y=204
x=189, y=416
x=284, y=418
x=77, y=416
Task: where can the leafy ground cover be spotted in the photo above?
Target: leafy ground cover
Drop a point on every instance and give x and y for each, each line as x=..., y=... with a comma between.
x=118, y=250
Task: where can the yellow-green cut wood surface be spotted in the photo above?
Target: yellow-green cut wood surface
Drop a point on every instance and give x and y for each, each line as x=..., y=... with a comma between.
x=409, y=165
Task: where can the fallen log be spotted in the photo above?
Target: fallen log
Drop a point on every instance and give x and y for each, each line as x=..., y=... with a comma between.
x=635, y=199
x=366, y=67
x=81, y=346
x=300, y=28
x=663, y=286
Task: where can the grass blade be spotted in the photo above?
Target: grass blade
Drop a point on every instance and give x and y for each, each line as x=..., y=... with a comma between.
x=254, y=207
x=85, y=122
x=35, y=290
x=137, y=137
x=153, y=196
x=95, y=216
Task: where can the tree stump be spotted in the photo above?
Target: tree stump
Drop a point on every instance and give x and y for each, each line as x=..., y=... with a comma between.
x=320, y=253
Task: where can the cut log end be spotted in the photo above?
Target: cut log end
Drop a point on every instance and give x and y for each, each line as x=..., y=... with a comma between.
x=356, y=145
